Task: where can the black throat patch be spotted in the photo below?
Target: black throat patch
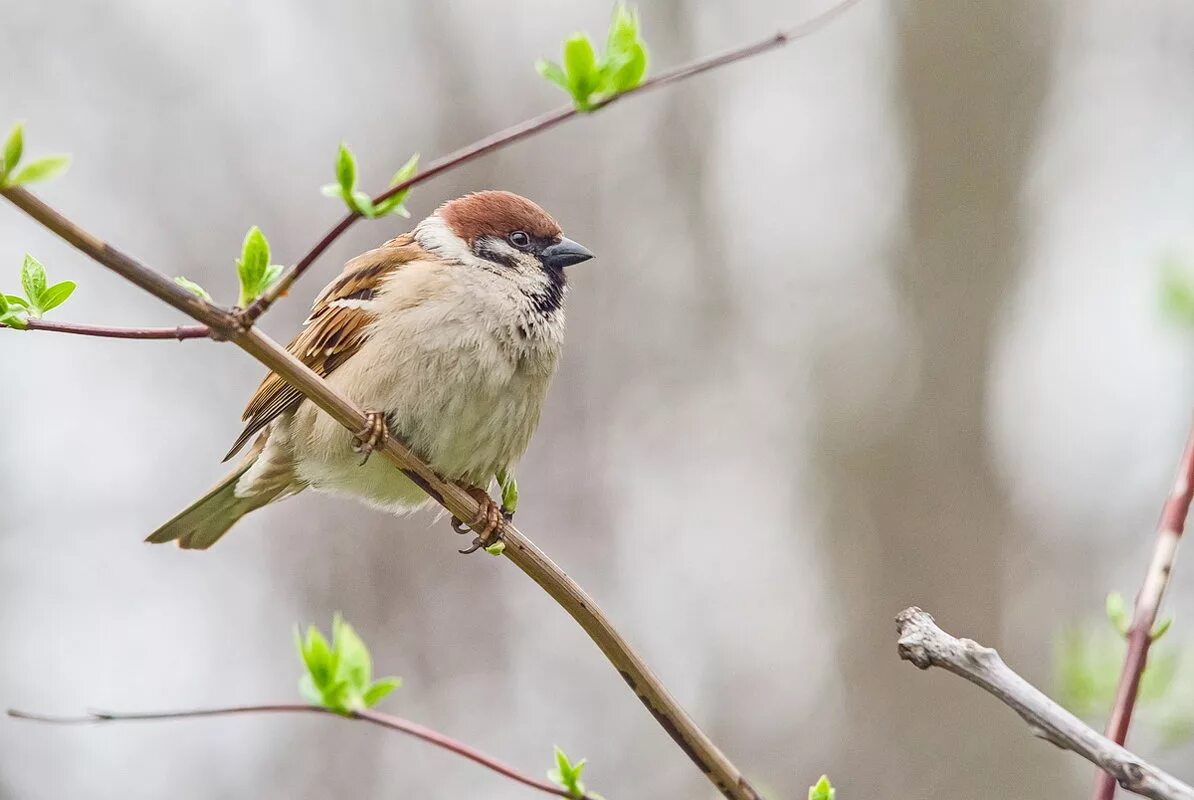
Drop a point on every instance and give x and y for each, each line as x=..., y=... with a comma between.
x=548, y=299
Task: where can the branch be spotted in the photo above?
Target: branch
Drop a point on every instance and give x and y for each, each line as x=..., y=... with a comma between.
x=1148, y=603
x=520, y=550
x=926, y=645
x=180, y=332
x=366, y=715
x=539, y=124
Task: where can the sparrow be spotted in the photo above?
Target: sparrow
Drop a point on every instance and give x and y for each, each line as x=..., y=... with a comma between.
x=449, y=335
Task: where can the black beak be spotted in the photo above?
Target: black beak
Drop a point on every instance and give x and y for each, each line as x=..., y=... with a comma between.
x=564, y=253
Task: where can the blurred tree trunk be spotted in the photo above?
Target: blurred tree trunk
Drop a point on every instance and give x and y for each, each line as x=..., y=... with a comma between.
x=916, y=515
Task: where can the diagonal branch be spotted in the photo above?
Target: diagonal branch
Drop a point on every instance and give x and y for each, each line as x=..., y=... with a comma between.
x=1148, y=603
x=926, y=645
x=366, y=715
x=179, y=332
x=539, y=124
x=518, y=548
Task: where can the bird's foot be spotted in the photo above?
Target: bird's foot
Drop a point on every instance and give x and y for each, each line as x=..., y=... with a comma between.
x=372, y=436
x=488, y=519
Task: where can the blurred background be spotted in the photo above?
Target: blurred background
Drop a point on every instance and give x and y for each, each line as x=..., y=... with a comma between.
x=874, y=323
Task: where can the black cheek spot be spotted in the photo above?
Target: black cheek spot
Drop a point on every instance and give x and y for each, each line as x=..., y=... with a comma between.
x=483, y=248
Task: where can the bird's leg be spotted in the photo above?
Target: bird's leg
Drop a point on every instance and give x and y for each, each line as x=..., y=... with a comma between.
x=509, y=488
x=488, y=519
x=372, y=436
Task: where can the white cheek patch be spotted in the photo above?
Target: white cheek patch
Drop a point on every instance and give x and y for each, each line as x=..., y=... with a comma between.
x=434, y=235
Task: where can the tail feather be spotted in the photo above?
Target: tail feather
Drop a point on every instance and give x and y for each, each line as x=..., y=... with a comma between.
x=201, y=524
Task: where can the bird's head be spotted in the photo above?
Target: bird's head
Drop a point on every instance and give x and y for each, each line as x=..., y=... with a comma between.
x=503, y=230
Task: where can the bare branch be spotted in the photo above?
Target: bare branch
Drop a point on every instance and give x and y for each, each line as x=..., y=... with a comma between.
x=179, y=332
x=1148, y=603
x=926, y=645
x=519, y=549
x=366, y=715
x=539, y=124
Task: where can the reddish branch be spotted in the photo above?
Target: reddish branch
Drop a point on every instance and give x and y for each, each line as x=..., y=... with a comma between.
x=367, y=715
x=179, y=332
x=1148, y=603
x=537, y=125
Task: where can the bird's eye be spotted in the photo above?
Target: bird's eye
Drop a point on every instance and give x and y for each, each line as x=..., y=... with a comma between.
x=520, y=239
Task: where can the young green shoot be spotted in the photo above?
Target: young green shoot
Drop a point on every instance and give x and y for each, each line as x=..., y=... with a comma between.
x=822, y=790
x=193, y=288
x=39, y=169
x=592, y=79
x=566, y=775
x=359, y=202
x=339, y=674
x=40, y=295
x=253, y=268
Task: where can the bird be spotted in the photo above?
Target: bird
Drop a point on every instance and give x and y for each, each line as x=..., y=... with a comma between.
x=448, y=335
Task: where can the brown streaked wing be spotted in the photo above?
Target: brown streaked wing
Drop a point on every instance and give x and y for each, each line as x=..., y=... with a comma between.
x=332, y=333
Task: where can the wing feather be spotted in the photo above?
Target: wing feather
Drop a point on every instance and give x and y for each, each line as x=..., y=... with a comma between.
x=335, y=330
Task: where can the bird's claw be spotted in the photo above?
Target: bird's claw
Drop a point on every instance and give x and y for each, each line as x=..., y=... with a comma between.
x=372, y=436
x=488, y=519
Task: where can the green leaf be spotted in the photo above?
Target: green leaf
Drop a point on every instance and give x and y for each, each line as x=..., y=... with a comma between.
x=354, y=664
x=16, y=300
x=55, y=296
x=509, y=488
x=255, y=253
x=393, y=204
x=9, y=315
x=362, y=204
x=580, y=62
x=591, y=80
x=1161, y=629
x=554, y=73
x=10, y=319
x=316, y=655
x=406, y=171
x=331, y=190
x=33, y=279
x=339, y=674
x=566, y=775
x=346, y=169
x=1117, y=612
x=41, y=169
x=496, y=549
x=822, y=790
x=13, y=147
x=252, y=265
x=630, y=72
x=380, y=689
x=272, y=273
x=193, y=288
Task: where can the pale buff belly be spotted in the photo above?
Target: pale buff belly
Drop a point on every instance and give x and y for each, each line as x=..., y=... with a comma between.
x=467, y=410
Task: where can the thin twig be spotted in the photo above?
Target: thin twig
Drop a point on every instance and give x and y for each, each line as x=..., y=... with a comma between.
x=519, y=549
x=179, y=332
x=536, y=125
x=1148, y=604
x=366, y=715
x=926, y=645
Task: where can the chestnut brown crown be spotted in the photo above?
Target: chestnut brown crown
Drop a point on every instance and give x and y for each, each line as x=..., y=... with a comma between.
x=497, y=213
